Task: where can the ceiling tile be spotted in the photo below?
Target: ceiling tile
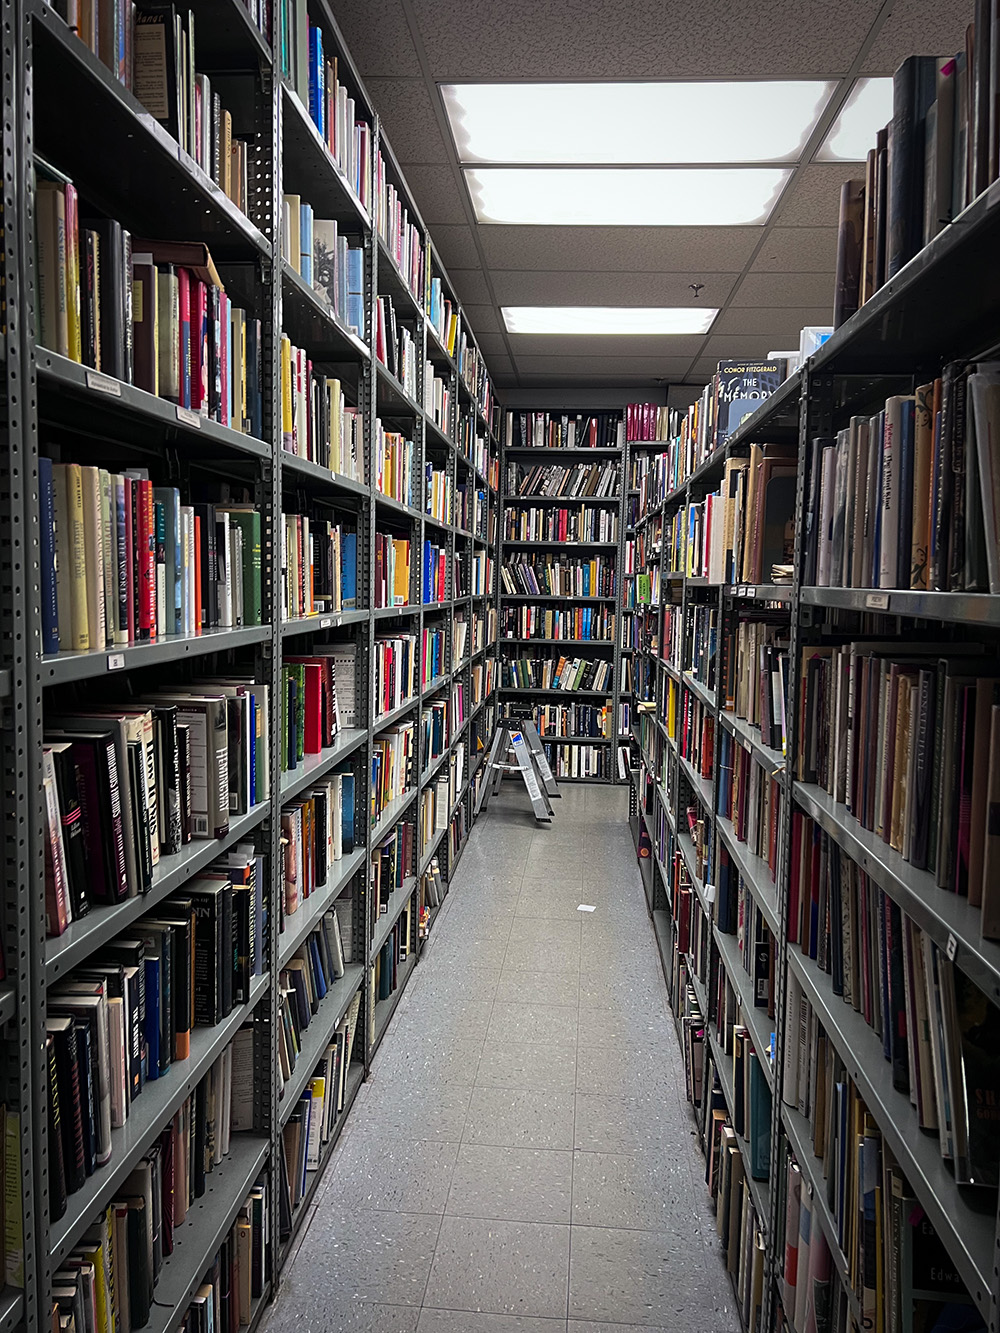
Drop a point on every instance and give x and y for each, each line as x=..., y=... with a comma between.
x=606, y=367
x=491, y=342
x=779, y=323
x=408, y=113
x=437, y=193
x=456, y=247
x=587, y=287
x=813, y=198
x=378, y=37
x=482, y=318
x=591, y=39
x=701, y=372
x=692, y=250
x=786, y=289
x=918, y=25
x=798, y=250
x=617, y=348
x=728, y=348
x=470, y=286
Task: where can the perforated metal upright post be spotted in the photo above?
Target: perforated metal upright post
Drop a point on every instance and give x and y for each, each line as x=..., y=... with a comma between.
x=24, y=1074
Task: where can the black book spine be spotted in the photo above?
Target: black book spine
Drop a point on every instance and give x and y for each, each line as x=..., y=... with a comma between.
x=57, y=1160
x=207, y=950
x=73, y=829
x=228, y=961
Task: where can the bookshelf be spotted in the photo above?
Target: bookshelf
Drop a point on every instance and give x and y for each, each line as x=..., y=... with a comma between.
x=412, y=466
x=888, y=347
x=563, y=501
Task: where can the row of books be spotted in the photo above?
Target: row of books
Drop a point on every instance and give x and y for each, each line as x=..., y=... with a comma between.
x=881, y=1230
x=317, y=830
x=649, y=421
x=396, y=667
x=325, y=260
x=402, y=236
x=472, y=446
x=696, y=735
x=437, y=398
x=391, y=585
x=439, y=500
x=435, y=582
x=119, y=1024
x=480, y=582
x=908, y=498
x=395, y=346
x=559, y=576
x=909, y=744
x=437, y=728
x=390, y=960
x=701, y=645
x=445, y=316
x=483, y=677
x=561, y=525
x=553, y=720
x=938, y=153
x=583, y=479
x=124, y=561
x=305, y=981
x=471, y=511
x=936, y=1029
x=654, y=477
x=437, y=802
x=391, y=865
x=751, y=798
x=583, y=762
x=557, y=673
x=238, y=1275
x=311, y=1125
x=472, y=368
x=755, y=682
x=124, y=785
x=537, y=622
x=314, y=75
x=319, y=566
x=393, y=766
x=553, y=430
x=394, y=463
x=150, y=313
x=317, y=422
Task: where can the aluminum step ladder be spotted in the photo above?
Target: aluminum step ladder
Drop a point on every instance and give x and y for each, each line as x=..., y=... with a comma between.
x=519, y=737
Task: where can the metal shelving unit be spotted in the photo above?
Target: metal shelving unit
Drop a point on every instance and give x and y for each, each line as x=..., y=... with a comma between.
x=129, y=167
x=888, y=342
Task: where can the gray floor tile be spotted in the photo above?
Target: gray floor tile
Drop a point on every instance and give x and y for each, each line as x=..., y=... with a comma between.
x=463, y=1321
x=518, y=985
x=399, y=1173
x=325, y=1312
x=527, y=1065
x=540, y=898
x=364, y=1255
x=515, y=1184
x=533, y=1023
x=643, y=1277
x=429, y=1110
x=606, y=1026
x=428, y=1059
x=631, y=1070
x=520, y=1118
x=539, y=930
x=585, y=1326
x=500, y=1267
x=542, y=955
x=649, y=1191
x=613, y=1122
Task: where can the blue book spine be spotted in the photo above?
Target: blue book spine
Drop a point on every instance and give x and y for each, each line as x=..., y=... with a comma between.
x=151, y=1029
x=47, y=526
x=317, y=91
x=349, y=571
x=427, y=571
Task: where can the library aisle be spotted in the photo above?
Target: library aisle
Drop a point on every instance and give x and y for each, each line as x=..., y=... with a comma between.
x=551, y=1178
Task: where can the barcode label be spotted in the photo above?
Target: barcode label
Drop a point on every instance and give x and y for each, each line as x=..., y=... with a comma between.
x=103, y=383
x=952, y=949
x=116, y=661
x=326, y=622
x=877, y=601
x=188, y=417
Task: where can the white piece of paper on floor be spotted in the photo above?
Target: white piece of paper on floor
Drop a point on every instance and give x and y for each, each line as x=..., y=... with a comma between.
x=585, y=907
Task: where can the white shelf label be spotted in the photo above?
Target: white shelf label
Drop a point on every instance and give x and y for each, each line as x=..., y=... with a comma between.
x=952, y=949
x=326, y=621
x=116, y=661
x=103, y=383
x=877, y=601
x=188, y=417
x=710, y=894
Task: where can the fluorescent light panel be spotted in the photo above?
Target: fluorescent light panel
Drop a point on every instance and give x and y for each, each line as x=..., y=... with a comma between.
x=761, y=121
x=607, y=319
x=866, y=111
x=620, y=197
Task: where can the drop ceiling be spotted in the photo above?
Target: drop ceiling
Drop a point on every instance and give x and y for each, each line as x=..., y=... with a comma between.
x=767, y=281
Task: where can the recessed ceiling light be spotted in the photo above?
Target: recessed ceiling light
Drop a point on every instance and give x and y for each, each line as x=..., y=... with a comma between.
x=607, y=319
x=866, y=111
x=633, y=122
x=622, y=197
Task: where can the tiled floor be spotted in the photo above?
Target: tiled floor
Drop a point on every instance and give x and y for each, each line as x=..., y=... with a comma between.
x=522, y=1159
